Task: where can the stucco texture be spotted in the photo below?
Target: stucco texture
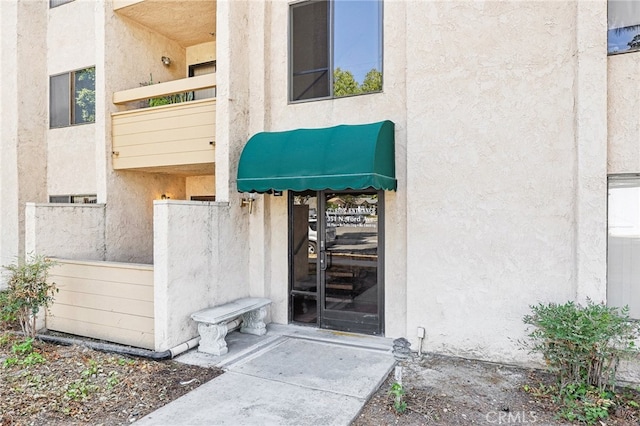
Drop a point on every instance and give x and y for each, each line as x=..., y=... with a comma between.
x=491, y=163
x=66, y=230
x=200, y=262
x=500, y=174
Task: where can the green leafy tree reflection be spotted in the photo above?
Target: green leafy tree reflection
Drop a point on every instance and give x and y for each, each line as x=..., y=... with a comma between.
x=345, y=84
x=86, y=95
x=635, y=42
x=372, y=82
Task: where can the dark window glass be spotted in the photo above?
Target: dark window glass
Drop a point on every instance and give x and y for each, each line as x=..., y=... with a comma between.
x=336, y=48
x=59, y=101
x=310, y=50
x=56, y=3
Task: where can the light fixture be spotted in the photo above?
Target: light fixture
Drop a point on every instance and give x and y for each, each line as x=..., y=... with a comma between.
x=166, y=61
x=248, y=200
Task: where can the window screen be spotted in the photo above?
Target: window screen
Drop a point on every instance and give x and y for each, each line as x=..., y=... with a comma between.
x=59, y=101
x=310, y=50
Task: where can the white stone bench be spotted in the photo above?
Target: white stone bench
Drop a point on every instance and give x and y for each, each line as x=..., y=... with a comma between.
x=212, y=322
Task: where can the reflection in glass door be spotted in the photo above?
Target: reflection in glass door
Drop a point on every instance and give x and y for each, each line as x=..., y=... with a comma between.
x=303, y=258
x=335, y=260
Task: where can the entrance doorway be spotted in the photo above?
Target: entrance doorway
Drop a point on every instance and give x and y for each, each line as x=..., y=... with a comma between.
x=336, y=260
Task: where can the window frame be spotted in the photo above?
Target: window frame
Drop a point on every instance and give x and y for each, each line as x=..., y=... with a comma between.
x=330, y=51
x=629, y=180
x=72, y=104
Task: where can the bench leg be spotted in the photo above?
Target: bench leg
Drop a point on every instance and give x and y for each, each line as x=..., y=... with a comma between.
x=212, y=338
x=253, y=322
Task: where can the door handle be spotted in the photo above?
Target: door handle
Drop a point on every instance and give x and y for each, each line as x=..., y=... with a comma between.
x=323, y=260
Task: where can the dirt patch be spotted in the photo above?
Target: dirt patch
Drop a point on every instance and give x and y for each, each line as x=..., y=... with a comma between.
x=453, y=391
x=74, y=385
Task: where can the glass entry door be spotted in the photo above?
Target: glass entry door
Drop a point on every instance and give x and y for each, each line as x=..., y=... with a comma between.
x=335, y=260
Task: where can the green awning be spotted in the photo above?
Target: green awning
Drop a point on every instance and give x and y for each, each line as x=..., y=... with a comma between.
x=336, y=158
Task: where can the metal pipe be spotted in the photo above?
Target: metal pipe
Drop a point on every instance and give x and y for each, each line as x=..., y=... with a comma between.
x=123, y=350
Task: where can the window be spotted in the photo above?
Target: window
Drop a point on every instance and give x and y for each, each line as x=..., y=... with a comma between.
x=72, y=98
x=74, y=199
x=623, y=258
x=624, y=26
x=56, y=3
x=335, y=48
x=201, y=69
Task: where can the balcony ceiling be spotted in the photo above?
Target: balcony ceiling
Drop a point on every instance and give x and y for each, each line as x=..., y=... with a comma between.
x=187, y=22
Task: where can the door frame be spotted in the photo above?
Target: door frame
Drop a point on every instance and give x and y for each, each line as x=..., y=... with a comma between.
x=335, y=322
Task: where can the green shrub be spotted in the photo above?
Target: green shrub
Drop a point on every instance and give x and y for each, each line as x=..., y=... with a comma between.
x=582, y=346
x=28, y=291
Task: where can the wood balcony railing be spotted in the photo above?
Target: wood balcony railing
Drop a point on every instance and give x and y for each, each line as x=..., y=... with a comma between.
x=178, y=137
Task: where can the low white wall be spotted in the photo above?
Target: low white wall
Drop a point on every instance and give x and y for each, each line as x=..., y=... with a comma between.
x=200, y=261
x=71, y=231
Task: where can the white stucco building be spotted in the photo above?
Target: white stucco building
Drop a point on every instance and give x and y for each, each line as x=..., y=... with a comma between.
x=469, y=178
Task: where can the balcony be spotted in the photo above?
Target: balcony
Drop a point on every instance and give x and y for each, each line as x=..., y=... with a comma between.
x=187, y=22
x=177, y=138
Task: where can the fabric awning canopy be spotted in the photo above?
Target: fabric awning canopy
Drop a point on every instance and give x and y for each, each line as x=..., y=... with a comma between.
x=336, y=158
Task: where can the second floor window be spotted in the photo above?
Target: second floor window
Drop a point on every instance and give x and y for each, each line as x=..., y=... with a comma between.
x=56, y=3
x=335, y=48
x=624, y=26
x=72, y=98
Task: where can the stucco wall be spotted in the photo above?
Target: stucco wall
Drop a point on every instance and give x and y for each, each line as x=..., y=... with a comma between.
x=500, y=160
x=71, y=167
x=199, y=264
x=130, y=195
x=493, y=171
x=200, y=185
x=200, y=53
x=9, y=235
x=22, y=114
x=70, y=231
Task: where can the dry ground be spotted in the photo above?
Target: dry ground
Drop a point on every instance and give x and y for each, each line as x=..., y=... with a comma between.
x=448, y=391
x=75, y=385
x=79, y=386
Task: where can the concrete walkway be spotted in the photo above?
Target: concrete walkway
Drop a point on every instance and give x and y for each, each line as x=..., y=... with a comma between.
x=291, y=376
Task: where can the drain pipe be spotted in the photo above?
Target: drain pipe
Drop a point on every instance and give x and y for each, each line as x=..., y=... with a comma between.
x=128, y=350
x=123, y=350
